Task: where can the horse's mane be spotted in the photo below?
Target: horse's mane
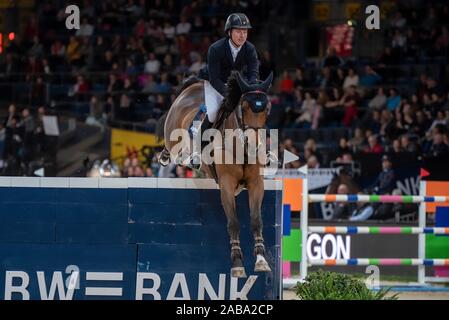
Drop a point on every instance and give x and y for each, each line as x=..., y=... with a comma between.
x=234, y=93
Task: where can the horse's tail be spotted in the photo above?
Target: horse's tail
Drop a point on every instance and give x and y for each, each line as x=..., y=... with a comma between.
x=160, y=127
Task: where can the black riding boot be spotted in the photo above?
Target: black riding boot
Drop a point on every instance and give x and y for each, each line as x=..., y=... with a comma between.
x=205, y=125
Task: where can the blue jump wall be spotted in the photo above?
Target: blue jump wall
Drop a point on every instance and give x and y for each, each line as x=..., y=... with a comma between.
x=135, y=238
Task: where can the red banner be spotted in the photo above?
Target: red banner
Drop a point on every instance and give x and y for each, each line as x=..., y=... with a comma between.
x=340, y=37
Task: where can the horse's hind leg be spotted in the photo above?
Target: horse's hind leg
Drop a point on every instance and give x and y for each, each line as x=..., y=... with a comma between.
x=164, y=157
x=256, y=191
x=227, y=187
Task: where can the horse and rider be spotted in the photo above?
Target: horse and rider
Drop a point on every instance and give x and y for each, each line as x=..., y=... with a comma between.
x=227, y=94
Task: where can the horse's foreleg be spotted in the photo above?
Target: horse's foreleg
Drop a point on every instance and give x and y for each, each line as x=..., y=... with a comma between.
x=256, y=192
x=227, y=187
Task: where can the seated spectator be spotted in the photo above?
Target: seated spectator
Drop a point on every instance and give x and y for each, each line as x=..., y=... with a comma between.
x=370, y=78
x=182, y=66
x=169, y=30
x=340, y=78
x=152, y=66
x=325, y=79
x=387, y=59
x=140, y=28
x=307, y=111
x=123, y=112
x=184, y=26
x=286, y=85
x=80, y=89
x=350, y=101
x=356, y=143
x=379, y=101
x=33, y=67
x=131, y=69
x=343, y=147
x=331, y=59
x=352, y=79
x=396, y=146
x=312, y=162
x=347, y=158
x=438, y=147
x=115, y=85
x=167, y=65
x=373, y=145
x=151, y=85
x=38, y=92
x=384, y=184
x=96, y=117
x=373, y=121
x=86, y=29
x=197, y=64
x=343, y=210
x=36, y=50
x=180, y=172
x=129, y=85
x=407, y=145
x=422, y=124
x=149, y=172
x=184, y=45
x=300, y=80
x=394, y=100
x=164, y=85
x=439, y=120
x=198, y=25
x=398, y=21
x=399, y=41
x=333, y=109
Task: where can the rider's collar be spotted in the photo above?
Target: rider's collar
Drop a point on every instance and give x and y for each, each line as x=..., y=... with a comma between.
x=235, y=50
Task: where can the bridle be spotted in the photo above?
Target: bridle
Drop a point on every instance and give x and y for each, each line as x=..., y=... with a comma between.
x=239, y=112
x=241, y=121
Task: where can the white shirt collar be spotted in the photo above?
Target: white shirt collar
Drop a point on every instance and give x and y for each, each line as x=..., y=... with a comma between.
x=234, y=50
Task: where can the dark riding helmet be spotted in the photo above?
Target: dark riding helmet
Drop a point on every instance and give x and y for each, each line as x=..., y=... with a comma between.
x=238, y=21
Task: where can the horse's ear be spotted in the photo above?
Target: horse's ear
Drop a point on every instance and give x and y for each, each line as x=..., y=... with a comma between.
x=244, y=87
x=267, y=83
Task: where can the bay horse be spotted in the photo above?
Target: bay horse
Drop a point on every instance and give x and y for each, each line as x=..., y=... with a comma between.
x=231, y=178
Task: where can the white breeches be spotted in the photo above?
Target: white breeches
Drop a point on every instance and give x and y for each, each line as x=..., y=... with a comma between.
x=212, y=100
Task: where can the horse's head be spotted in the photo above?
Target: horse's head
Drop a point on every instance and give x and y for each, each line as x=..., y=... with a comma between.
x=252, y=112
x=254, y=107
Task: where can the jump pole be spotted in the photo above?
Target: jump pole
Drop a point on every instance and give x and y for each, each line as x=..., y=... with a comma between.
x=304, y=224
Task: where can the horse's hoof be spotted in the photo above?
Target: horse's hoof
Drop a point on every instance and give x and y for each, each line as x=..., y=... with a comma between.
x=164, y=159
x=261, y=264
x=164, y=162
x=238, y=272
